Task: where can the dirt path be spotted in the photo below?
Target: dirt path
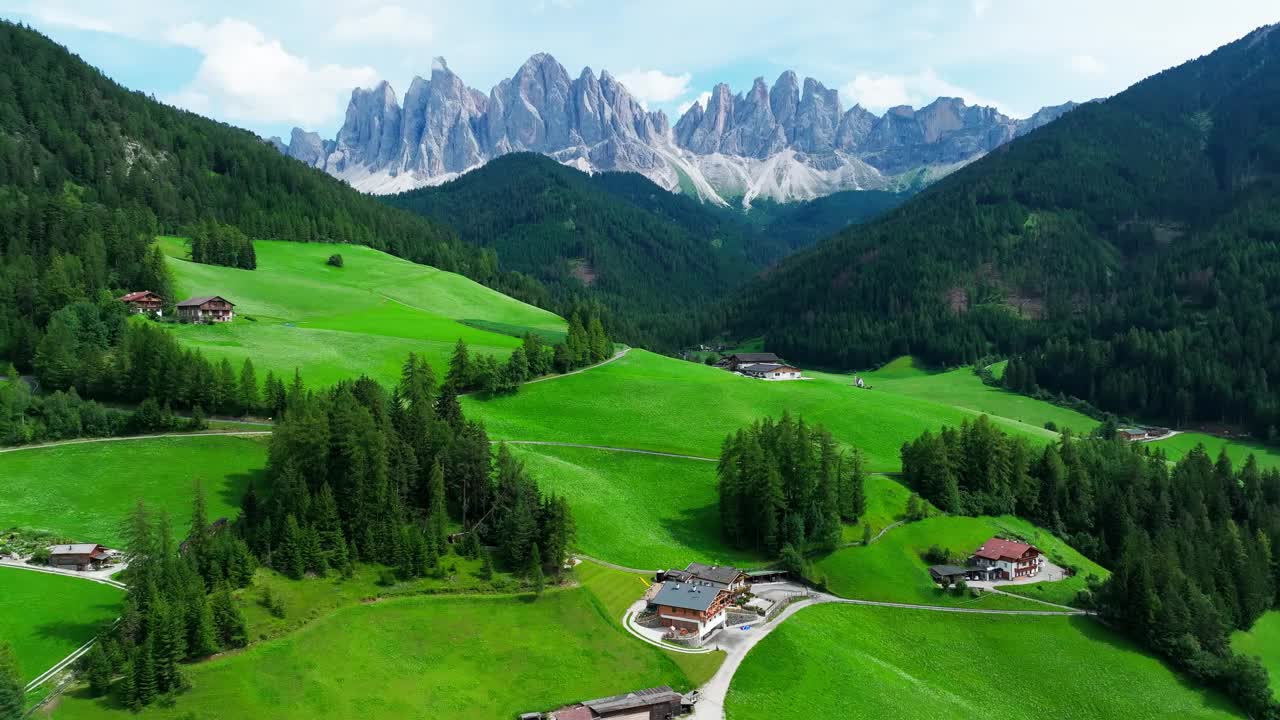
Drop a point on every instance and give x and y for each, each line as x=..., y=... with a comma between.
x=616, y=356
x=82, y=441
x=550, y=443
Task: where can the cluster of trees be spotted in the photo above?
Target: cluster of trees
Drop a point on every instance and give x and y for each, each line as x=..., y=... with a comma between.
x=178, y=608
x=785, y=486
x=1191, y=545
x=1132, y=268
x=358, y=473
x=215, y=243
x=586, y=344
x=13, y=698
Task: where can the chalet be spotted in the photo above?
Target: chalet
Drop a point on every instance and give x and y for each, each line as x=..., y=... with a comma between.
x=736, y=361
x=1132, y=434
x=206, y=309
x=724, y=577
x=659, y=703
x=770, y=371
x=1007, y=560
x=143, y=302
x=84, y=556
x=695, y=608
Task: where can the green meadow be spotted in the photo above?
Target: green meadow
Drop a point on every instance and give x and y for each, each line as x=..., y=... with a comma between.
x=1263, y=642
x=46, y=617
x=650, y=402
x=1238, y=450
x=441, y=657
x=296, y=311
x=635, y=510
x=869, y=662
x=892, y=569
x=83, y=491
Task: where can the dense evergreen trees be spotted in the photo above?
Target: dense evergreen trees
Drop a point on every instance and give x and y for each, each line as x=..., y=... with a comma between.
x=216, y=244
x=358, y=473
x=1190, y=545
x=785, y=484
x=1126, y=252
x=585, y=344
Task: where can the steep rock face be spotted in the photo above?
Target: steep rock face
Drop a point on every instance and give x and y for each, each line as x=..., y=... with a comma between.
x=790, y=141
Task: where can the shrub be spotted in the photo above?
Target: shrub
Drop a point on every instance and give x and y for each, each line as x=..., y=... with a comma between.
x=334, y=260
x=40, y=556
x=387, y=577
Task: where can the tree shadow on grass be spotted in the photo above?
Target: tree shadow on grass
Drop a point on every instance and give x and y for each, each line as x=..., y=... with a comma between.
x=698, y=529
x=71, y=632
x=231, y=492
x=1097, y=632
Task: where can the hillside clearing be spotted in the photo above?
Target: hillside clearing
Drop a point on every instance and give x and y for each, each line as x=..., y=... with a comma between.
x=83, y=491
x=1263, y=642
x=1238, y=450
x=47, y=616
x=866, y=662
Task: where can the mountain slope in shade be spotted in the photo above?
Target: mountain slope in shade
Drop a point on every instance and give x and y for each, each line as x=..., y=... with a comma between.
x=791, y=141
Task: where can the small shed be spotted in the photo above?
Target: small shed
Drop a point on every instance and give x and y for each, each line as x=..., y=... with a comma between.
x=947, y=574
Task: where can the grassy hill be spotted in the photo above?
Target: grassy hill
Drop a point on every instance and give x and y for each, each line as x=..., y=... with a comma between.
x=295, y=311
x=1263, y=641
x=83, y=491
x=46, y=617
x=868, y=662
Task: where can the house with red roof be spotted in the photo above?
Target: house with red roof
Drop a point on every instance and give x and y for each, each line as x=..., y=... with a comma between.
x=143, y=302
x=1001, y=559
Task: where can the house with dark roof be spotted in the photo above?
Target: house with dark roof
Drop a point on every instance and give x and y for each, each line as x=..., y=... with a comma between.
x=694, y=609
x=143, y=302
x=206, y=309
x=948, y=574
x=1003, y=559
x=83, y=556
x=736, y=361
x=770, y=371
x=659, y=703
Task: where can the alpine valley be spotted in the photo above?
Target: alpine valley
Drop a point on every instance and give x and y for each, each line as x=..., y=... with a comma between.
x=792, y=141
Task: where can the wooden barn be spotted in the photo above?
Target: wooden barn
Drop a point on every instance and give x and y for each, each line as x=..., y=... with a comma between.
x=206, y=309
x=84, y=556
x=143, y=302
x=659, y=703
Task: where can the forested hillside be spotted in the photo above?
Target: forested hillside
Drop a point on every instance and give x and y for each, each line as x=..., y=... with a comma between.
x=90, y=173
x=646, y=254
x=1126, y=252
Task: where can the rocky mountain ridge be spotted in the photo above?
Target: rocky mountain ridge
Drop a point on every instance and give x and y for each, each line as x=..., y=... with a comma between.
x=791, y=141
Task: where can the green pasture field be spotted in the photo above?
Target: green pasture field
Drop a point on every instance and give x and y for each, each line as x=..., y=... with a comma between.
x=295, y=311
x=639, y=511
x=892, y=569
x=869, y=662
x=886, y=504
x=651, y=402
x=440, y=657
x=46, y=617
x=82, y=492
x=1179, y=445
x=1263, y=642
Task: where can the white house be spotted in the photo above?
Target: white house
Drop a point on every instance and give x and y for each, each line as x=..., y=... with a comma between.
x=1008, y=560
x=770, y=371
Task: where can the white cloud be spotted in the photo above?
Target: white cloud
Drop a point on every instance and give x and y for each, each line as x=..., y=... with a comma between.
x=980, y=7
x=246, y=76
x=655, y=86
x=702, y=99
x=388, y=23
x=1086, y=65
x=880, y=91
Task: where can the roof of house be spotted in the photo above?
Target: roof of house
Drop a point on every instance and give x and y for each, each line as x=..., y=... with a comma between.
x=138, y=295
x=198, y=301
x=997, y=549
x=754, y=357
x=687, y=596
x=577, y=712
x=77, y=549
x=723, y=574
x=637, y=699
x=946, y=570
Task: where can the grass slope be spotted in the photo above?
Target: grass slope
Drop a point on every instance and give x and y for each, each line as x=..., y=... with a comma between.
x=295, y=311
x=83, y=491
x=1238, y=450
x=442, y=657
x=866, y=662
x=651, y=402
x=1263, y=642
x=47, y=616
x=891, y=569
x=639, y=511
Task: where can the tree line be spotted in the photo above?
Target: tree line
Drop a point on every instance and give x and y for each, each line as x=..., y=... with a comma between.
x=1190, y=544
x=585, y=344
x=785, y=486
x=360, y=473
x=214, y=243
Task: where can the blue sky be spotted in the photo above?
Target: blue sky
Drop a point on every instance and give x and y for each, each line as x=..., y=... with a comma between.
x=269, y=65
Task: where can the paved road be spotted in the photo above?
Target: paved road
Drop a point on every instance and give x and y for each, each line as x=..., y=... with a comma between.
x=99, y=576
x=550, y=443
x=126, y=438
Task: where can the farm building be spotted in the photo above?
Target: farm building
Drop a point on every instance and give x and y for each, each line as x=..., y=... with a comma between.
x=736, y=361
x=948, y=574
x=206, y=309
x=84, y=556
x=1007, y=559
x=770, y=371
x=1132, y=434
x=143, y=302
x=660, y=703
x=725, y=577
x=693, y=608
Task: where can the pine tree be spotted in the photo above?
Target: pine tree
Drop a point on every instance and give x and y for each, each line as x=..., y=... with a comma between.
x=247, y=390
x=535, y=570
x=12, y=695
x=228, y=620
x=460, y=370
x=289, y=558
x=97, y=669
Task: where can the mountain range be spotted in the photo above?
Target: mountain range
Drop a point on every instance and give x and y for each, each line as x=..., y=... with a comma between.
x=785, y=142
